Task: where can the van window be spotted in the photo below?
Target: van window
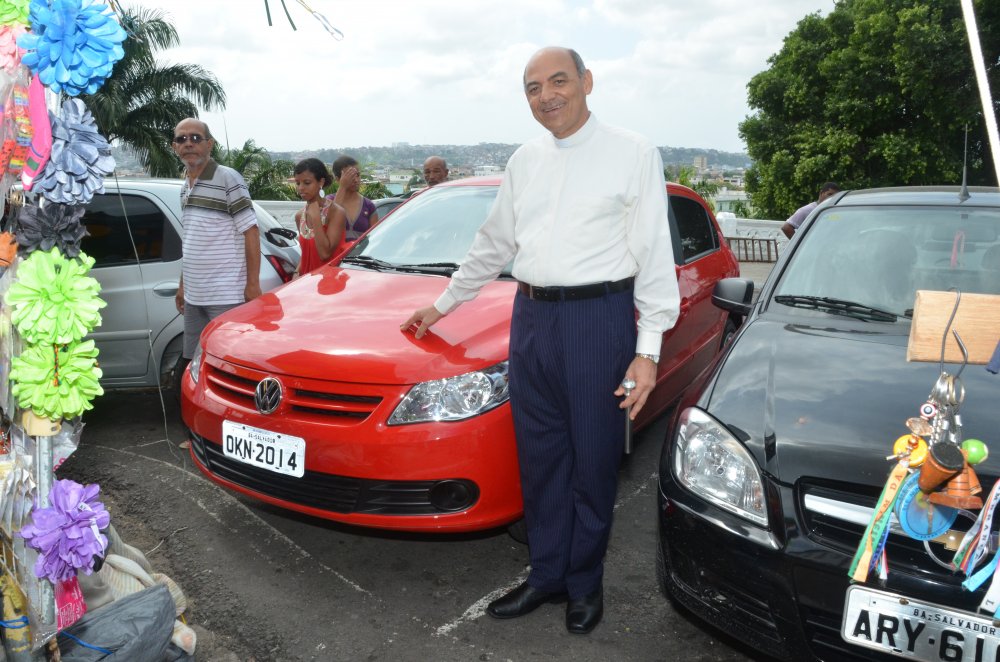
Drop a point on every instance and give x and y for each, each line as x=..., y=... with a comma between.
x=126, y=228
x=697, y=234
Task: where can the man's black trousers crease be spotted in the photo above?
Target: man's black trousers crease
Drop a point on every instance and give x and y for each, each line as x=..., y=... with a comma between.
x=566, y=360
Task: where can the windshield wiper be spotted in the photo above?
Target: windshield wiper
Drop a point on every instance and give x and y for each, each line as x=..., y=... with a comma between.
x=368, y=261
x=430, y=267
x=837, y=307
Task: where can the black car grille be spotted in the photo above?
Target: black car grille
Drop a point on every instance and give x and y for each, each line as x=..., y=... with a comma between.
x=904, y=553
x=339, y=494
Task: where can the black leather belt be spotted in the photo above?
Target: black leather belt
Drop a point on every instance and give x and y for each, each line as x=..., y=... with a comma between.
x=575, y=292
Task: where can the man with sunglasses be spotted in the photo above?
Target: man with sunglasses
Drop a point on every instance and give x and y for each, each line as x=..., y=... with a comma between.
x=221, y=241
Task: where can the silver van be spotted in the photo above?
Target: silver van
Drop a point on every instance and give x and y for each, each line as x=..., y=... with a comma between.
x=135, y=239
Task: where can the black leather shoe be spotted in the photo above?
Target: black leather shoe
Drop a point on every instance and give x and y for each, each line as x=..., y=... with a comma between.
x=582, y=614
x=522, y=600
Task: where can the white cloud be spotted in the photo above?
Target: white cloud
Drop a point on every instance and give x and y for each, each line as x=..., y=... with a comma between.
x=441, y=71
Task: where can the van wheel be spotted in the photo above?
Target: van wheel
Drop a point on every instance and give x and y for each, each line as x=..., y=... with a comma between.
x=172, y=366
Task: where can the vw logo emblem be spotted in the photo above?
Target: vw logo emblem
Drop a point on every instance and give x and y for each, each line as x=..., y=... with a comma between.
x=267, y=395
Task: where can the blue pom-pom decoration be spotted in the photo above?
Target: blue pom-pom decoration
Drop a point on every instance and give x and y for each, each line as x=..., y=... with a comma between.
x=73, y=44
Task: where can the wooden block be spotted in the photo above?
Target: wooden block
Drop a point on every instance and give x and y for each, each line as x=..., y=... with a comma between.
x=38, y=426
x=977, y=322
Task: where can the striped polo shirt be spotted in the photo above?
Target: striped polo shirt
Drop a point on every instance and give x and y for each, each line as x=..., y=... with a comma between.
x=217, y=211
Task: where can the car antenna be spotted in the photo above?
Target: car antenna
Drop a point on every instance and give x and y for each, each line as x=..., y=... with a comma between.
x=963, y=195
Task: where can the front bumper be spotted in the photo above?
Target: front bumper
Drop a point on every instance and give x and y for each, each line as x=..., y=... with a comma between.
x=457, y=476
x=785, y=600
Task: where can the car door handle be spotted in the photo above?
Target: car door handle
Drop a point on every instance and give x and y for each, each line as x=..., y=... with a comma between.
x=685, y=306
x=168, y=289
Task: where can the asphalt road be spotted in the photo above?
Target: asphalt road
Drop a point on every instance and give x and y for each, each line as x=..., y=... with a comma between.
x=264, y=584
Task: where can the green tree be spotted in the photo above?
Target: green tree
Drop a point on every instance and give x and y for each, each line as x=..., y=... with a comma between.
x=877, y=93
x=266, y=179
x=142, y=101
x=685, y=176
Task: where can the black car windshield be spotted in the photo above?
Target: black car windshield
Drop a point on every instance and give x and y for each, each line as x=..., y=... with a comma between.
x=431, y=233
x=878, y=257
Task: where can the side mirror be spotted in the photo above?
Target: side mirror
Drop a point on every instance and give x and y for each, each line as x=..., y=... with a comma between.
x=277, y=236
x=734, y=295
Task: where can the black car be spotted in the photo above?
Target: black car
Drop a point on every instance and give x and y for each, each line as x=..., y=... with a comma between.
x=770, y=473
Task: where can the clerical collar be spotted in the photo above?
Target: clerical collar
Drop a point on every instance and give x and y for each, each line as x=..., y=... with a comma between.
x=581, y=135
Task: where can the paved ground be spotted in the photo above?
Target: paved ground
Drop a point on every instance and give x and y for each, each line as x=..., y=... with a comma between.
x=264, y=584
x=756, y=271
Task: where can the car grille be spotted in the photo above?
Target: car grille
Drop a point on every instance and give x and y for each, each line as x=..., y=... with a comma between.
x=835, y=532
x=339, y=494
x=310, y=400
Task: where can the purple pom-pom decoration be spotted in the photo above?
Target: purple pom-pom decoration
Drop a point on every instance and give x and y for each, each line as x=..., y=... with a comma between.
x=67, y=533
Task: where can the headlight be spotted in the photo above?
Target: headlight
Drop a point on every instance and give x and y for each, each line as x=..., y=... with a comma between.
x=195, y=365
x=713, y=464
x=454, y=398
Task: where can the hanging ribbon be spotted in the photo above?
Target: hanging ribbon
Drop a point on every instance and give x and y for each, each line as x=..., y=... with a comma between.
x=975, y=544
x=873, y=541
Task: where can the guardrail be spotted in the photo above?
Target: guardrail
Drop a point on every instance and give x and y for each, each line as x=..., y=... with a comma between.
x=754, y=249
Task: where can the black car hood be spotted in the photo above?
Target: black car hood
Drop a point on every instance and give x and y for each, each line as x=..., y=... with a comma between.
x=826, y=399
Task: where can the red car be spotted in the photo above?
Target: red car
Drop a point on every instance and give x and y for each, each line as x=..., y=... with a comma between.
x=311, y=398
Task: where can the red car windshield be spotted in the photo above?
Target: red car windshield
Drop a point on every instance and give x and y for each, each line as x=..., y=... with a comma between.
x=435, y=228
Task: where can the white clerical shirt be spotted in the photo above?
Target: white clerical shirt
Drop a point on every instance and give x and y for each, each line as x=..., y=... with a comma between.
x=584, y=209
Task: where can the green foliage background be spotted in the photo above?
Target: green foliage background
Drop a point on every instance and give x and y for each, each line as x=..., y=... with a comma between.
x=877, y=93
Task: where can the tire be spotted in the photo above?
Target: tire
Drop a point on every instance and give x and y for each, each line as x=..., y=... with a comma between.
x=518, y=531
x=728, y=333
x=172, y=366
x=661, y=570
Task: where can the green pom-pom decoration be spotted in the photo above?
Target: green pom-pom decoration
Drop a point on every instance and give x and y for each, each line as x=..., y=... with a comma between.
x=13, y=12
x=56, y=381
x=54, y=301
x=975, y=450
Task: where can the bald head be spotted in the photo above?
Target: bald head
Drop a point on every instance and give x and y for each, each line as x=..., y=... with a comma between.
x=193, y=123
x=557, y=50
x=435, y=170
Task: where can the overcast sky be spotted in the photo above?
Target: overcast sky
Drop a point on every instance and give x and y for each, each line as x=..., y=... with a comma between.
x=449, y=71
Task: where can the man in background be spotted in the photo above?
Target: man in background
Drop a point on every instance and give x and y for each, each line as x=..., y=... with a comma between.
x=221, y=245
x=795, y=220
x=435, y=171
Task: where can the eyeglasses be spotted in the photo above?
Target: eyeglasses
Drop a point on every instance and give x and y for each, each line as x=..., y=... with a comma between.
x=183, y=138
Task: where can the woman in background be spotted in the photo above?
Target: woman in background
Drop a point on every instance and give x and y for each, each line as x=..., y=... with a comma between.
x=360, y=211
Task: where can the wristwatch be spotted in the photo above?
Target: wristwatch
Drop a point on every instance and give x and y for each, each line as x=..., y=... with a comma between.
x=655, y=358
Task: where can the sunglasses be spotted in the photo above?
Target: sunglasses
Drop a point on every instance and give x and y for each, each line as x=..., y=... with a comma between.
x=183, y=138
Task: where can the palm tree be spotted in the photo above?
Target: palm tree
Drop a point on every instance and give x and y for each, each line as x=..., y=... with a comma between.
x=142, y=101
x=266, y=179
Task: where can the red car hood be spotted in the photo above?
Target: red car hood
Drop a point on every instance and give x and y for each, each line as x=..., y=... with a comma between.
x=343, y=325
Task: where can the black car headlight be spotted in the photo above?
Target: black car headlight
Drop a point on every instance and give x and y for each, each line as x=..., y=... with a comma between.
x=454, y=398
x=713, y=464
